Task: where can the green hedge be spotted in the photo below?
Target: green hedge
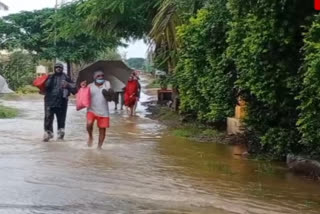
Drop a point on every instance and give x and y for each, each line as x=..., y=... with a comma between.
x=309, y=122
x=204, y=75
x=265, y=41
x=253, y=48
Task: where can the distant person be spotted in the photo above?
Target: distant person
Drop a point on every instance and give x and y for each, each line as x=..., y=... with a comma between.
x=101, y=94
x=57, y=90
x=136, y=78
x=119, y=99
x=131, y=94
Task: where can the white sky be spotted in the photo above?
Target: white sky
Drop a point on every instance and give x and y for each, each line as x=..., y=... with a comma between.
x=135, y=49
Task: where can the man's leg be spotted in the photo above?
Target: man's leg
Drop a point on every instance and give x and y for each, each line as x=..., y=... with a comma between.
x=103, y=124
x=48, y=123
x=116, y=100
x=61, y=119
x=90, y=122
x=122, y=100
x=135, y=106
x=102, y=137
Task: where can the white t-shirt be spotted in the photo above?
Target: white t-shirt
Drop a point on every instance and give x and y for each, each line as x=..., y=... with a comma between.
x=99, y=105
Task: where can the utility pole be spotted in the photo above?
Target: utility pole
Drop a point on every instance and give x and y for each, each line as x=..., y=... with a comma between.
x=55, y=33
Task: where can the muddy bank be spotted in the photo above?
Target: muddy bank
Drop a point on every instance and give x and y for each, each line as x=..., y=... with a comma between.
x=197, y=132
x=188, y=128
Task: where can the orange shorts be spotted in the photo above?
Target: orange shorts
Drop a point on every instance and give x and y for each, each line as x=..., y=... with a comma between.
x=103, y=122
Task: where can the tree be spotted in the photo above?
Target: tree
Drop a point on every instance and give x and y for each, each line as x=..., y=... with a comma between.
x=205, y=75
x=42, y=33
x=136, y=63
x=109, y=54
x=309, y=119
x=265, y=40
x=162, y=36
x=122, y=18
x=19, y=70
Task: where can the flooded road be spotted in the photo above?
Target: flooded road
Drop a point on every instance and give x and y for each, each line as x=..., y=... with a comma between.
x=139, y=170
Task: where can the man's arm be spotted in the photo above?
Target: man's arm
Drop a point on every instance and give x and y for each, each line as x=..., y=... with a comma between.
x=71, y=86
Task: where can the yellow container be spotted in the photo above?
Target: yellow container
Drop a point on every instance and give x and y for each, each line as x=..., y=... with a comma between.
x=240, y=112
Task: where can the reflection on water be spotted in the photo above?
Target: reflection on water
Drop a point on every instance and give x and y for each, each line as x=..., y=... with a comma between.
x=140, y=170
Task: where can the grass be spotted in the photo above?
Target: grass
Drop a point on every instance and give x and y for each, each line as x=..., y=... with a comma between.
x=28, y=89
x=190, y=129
x=187, y=129
x=197, y=132
x=7, y=112
x=154, y=84
x=166, y=114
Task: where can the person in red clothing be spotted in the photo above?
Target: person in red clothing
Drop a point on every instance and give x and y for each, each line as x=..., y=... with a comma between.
x=131, y=94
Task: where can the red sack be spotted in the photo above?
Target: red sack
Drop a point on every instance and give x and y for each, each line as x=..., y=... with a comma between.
x=83, y=98
x=40, y=83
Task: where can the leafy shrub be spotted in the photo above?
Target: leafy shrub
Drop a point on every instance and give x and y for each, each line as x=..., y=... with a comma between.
x=265, y=41
x=204, y=75
x=6, y=112
x=309, y=120
x=19, y=70
x=28, y=89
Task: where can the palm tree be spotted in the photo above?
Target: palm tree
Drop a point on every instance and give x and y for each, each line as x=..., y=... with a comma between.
x=162, y=37
x=163, y=33
x=3, y=6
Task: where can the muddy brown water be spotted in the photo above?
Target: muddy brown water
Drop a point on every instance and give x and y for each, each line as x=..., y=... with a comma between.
x=141, y=169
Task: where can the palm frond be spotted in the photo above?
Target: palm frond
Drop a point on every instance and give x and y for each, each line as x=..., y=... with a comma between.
x=163, y=33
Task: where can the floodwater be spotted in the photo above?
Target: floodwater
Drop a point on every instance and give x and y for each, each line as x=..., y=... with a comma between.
x=141, y=169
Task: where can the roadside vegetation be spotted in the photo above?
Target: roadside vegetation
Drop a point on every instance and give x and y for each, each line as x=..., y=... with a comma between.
x=7, y=112
x=213, y=51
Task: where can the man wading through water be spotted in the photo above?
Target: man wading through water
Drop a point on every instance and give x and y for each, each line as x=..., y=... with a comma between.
x=101, y=94
x=58, y=88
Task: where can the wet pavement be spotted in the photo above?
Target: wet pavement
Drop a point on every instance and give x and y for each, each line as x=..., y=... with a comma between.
x=141, y=169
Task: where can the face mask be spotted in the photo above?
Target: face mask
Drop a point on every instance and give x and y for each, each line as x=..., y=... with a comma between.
x=100, y=81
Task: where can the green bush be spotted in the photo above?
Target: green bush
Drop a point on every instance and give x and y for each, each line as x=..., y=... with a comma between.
x=309, y=120
x=6, y=112
x=265, y=41
x=19, y=70
x=28, y=89
x=204, y=75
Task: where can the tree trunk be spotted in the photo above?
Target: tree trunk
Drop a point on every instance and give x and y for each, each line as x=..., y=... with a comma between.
x=69, y=69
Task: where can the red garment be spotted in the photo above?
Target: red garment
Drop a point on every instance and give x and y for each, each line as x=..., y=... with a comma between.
x=131, y=93
x=40, y=83
x=103, y=122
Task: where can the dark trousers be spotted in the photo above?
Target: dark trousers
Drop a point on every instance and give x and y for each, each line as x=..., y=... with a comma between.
x=61, y=115
x=116, y=98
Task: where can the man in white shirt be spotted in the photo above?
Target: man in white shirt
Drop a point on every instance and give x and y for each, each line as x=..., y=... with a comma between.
x=99, y=109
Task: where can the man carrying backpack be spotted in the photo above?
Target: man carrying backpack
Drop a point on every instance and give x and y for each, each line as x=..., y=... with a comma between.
x=57, y=90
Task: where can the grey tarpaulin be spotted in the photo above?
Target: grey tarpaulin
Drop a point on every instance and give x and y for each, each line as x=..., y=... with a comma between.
x=115, y=71
x=4, y=88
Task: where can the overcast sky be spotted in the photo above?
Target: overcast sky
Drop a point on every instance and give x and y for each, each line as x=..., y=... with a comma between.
x=135, y=49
